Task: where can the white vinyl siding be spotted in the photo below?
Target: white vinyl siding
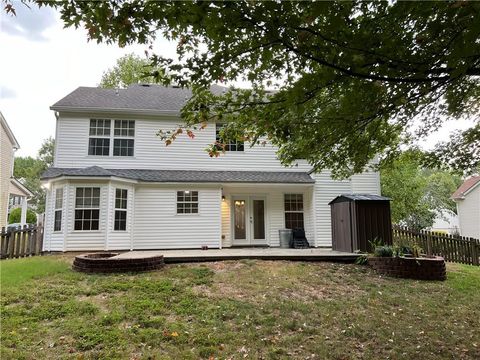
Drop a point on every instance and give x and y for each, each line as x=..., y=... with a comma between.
x=326, y=189
x=274, y=209
x=157, y=225
x=151, y=153
x=469, y=213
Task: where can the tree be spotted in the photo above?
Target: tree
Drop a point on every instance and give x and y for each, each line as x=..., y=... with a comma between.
x=351, y=77
x=418, y=195
x=29, y=170
x=16, y=215
x=129, y=69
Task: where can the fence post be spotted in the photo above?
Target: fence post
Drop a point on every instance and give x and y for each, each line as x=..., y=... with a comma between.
x=429, y=243
x=475, y=254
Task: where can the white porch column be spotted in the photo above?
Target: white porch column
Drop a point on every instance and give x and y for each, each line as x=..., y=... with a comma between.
x=23, y=217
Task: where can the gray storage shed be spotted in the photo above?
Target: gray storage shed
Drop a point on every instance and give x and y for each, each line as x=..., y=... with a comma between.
x=358, y=219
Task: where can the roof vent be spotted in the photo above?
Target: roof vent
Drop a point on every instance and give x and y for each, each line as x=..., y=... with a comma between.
x=145, y=85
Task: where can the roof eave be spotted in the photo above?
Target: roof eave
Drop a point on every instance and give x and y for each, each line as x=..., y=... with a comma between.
x=85, y=110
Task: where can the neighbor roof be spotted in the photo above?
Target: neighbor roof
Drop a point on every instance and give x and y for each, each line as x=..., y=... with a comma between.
x=466, y=187
x=9, y=132
x=359, y=197
x=137, y=97
x=184, y=176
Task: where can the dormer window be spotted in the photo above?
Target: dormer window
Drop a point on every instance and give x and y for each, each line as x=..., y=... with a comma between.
x=230, y=145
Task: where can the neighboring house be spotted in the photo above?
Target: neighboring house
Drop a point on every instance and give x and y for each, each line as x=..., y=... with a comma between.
x=446, y=221
x=12, y=192
x=115, y=185
x=467, y=198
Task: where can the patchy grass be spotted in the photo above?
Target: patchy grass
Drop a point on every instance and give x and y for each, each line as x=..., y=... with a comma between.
x=237, y=310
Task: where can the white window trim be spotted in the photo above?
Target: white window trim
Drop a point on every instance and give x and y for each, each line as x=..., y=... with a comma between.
x=293, y=211
x=112, y=138
x=99, y=137
x=230, y=143
x=187, y=202
x=55, y=209
x=115, y=209
x=123, y=137
x=90, y=208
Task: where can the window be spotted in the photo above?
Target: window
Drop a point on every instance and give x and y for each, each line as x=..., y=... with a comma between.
x=87, y=208
x=99, y=140
x=229, y=145
x=120, y=223
x=187, y=202
x=123, y=132
x=294, y=211
x=101, y=137
x=57, y=222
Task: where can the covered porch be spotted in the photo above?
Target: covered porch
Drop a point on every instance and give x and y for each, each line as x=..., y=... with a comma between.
x=253, y=214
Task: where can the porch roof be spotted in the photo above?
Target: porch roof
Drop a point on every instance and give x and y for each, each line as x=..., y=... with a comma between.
x=183, y=176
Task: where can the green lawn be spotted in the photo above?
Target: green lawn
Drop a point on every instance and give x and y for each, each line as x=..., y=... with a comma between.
x=236, y=310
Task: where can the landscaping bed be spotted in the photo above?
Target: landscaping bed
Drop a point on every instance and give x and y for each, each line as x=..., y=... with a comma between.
x=106, y=262
x=423, y=268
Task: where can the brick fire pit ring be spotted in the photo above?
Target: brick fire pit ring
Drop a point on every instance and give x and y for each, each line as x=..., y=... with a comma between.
x=107, y=262
x=428, y=268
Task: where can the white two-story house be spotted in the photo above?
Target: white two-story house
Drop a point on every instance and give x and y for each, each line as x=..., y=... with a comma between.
x=116, y=186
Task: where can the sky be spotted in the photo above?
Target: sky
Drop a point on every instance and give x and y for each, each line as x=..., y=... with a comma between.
x=41, y=62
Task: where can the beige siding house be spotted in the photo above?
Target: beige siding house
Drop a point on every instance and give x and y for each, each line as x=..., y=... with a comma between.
x=115, y=185
x=467, y=198
x=11, y=190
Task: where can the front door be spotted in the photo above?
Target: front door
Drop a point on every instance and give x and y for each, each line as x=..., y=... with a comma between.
x=249, y=214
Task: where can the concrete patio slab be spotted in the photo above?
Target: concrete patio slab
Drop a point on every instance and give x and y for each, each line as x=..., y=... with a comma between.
x=192, y=255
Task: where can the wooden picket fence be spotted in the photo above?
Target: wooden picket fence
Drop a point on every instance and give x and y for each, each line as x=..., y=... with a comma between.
x=452, y=248
x=27, y=241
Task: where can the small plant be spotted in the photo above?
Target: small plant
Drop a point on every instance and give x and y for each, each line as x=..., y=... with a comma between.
x=376, y=242
x=384, y=251
x=416, y=250
x=362, y=260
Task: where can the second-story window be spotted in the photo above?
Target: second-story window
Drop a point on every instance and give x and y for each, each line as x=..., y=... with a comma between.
x=123, y=137
x=229, y=145
x=99, y=137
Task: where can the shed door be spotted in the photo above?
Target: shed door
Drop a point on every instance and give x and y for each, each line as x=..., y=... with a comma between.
x=341, y=227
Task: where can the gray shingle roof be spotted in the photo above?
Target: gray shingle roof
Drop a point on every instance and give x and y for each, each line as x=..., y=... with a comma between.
x=135, y=97
x=359, y=197
x=184, y=176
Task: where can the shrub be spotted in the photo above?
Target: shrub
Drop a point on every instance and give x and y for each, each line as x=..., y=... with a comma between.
x=384, y=251
x=16, y=215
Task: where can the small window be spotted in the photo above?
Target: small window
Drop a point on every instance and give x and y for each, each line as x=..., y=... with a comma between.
x=99, y=127
x=57, y=222
x=123, y=147
x=87, y=208
x=123, y=133
x=187, y=202
x=120, y=223
x=230, y=145
x=124, y=128
x=294, y=211
x=99, y=146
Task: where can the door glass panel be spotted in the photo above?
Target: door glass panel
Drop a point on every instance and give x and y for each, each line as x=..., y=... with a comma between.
x=258, y=219
x=239, y=216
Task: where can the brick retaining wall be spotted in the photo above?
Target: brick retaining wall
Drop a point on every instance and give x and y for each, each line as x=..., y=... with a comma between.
x=411, y=268
x=107, y=263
